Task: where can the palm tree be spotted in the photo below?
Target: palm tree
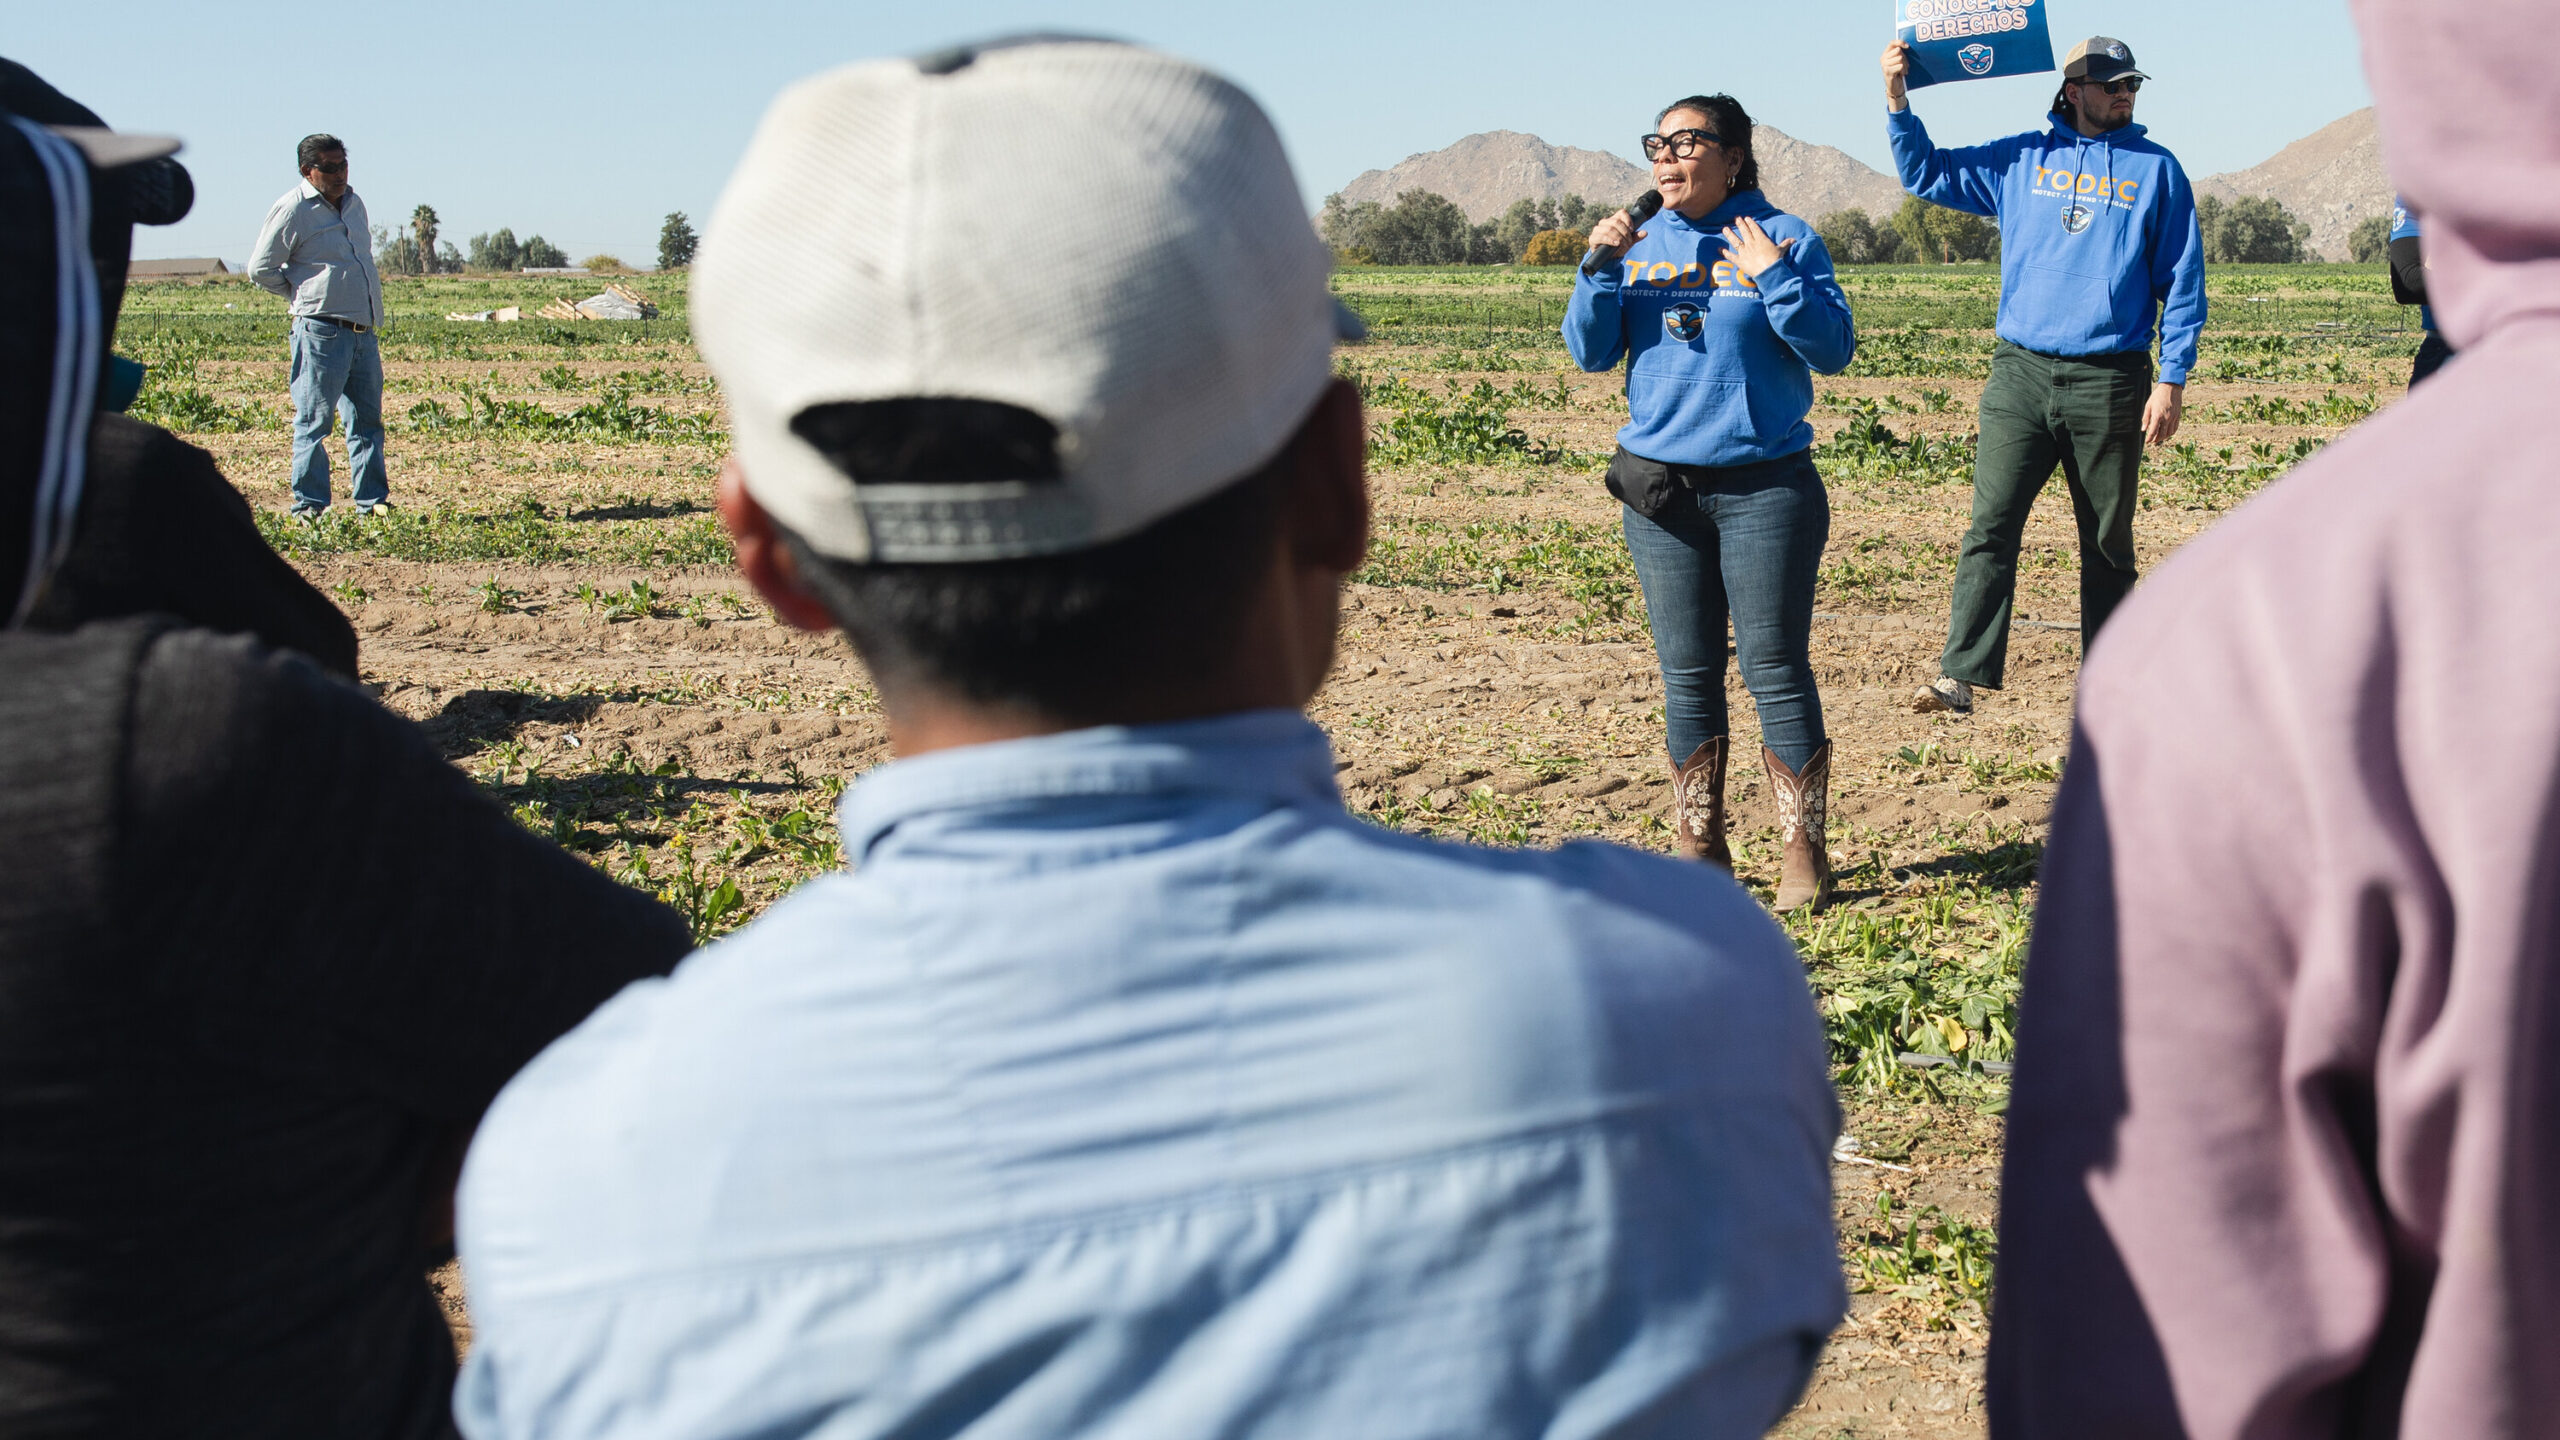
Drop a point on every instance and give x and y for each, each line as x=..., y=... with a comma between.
x=422, y=223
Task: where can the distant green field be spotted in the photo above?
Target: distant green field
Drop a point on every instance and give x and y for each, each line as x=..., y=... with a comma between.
x=235, y=320
x=1905, y=311
x=1508, y=307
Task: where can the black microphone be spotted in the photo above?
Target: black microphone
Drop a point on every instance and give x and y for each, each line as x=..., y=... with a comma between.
x=1639, y=210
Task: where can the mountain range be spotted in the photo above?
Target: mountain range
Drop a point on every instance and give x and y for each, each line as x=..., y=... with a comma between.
x=1483, y=174
x=2331, y=178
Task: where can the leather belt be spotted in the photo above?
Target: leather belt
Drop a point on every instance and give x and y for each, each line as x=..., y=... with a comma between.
x=341, y=324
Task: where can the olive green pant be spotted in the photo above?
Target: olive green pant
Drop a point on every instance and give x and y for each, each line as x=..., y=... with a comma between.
x=2085, y=413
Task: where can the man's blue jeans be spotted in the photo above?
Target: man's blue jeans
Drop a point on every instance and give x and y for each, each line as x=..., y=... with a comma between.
x=336, y=371
x=1742, y=542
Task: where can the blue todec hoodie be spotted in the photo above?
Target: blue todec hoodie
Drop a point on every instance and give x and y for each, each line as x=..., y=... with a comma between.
x=1716, y=361
x=2095, y=235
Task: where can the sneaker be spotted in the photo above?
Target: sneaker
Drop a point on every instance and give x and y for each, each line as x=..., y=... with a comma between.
x=376, y=508
x=1945, y=694
x=307, y=514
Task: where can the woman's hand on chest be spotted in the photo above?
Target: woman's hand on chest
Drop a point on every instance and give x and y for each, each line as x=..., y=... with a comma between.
x=1751, y=249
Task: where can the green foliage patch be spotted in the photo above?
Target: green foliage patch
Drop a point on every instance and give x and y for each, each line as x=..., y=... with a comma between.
x=1588, y=564
x=526, y=533
x=1923, y=1253
x=611, y=418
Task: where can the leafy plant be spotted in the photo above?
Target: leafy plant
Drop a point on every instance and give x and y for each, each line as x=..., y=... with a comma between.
x=1925, y=1253
x=186, y=409
x=1470, y=429
x=1938, y=977
x=639, y=601
x=711, y=908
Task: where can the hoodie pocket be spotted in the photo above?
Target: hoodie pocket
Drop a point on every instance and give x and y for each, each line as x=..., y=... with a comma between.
x=1718, y=417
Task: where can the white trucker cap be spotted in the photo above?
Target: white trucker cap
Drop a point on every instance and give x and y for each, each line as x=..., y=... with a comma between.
x=1108, y=237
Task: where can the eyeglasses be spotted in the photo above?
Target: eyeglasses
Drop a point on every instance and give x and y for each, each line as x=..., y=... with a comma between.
x=1683, y=144
x=2130, y=86
x=338, y=169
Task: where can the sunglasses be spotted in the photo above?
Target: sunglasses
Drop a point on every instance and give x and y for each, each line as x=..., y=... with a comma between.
x=1683, y=144
x=2114, y=87
x=338, y=169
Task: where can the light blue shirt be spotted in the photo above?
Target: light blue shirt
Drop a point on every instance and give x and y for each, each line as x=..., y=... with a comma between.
x=1128, y=1087
x=319, y=257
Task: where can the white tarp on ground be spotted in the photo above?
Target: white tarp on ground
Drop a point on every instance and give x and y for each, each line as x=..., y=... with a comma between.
x=617, y=303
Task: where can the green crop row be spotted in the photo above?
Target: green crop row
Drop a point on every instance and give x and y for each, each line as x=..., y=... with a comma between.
x=612, y=418
x=526, y=533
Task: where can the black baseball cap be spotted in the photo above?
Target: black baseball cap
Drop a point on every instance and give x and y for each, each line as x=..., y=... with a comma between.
x=2100, y=57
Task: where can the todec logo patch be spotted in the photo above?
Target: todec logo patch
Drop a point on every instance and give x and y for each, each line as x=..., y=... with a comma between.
x=2118, y=52
x=2076, y=217
x=1685, y=321
x=1976, y=59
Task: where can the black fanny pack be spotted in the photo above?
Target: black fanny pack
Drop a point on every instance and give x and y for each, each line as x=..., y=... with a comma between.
x=1644, y=486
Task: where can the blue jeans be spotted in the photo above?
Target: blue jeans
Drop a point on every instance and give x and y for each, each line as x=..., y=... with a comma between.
x=334, y=371
x=1743, y=542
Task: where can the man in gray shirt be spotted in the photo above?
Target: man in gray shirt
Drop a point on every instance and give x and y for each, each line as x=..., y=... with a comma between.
x=314, y=251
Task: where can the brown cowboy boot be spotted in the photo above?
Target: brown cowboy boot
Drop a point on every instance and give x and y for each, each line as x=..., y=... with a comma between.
x=1804, y=804
x=1697, y=804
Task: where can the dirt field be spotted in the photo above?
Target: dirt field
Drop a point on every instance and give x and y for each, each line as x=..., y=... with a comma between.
x=553, y=602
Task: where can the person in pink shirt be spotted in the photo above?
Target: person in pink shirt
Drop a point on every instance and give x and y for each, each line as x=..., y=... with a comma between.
x=2284, y=1149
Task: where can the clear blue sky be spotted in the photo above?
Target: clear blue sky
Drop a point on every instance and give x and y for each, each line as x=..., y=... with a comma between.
x=589, y=122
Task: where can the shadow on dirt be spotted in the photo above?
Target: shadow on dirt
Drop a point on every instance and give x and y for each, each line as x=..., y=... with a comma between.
x=2003, y=865
x=640, y=510
x=476, y=718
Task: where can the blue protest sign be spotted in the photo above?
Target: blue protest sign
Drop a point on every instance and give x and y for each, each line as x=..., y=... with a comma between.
x=1955, y=40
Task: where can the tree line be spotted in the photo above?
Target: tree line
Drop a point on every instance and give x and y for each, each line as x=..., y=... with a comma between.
x=2253, y=230
x=417, y=250
x=1917, y=234
x=1424, y=228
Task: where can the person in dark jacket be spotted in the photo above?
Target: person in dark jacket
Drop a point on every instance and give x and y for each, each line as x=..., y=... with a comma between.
x=232, y=1096
x=1722, y=309
x=152, y=525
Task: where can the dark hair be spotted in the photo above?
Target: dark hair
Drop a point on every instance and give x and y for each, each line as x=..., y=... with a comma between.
x=308, y=153
x=1066, y=636
x=1729, y=120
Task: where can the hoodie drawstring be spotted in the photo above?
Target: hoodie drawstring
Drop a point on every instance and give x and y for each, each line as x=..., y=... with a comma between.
x=65, y=463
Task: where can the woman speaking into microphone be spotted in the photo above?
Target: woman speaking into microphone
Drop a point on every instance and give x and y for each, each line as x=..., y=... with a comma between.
x=1723, y=306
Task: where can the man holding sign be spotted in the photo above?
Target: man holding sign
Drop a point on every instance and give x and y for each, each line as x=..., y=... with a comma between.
x=2098, y=243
